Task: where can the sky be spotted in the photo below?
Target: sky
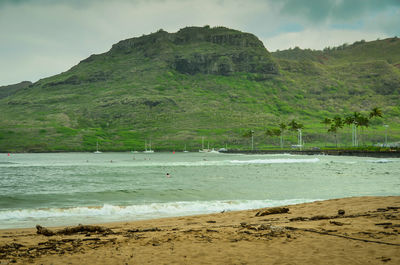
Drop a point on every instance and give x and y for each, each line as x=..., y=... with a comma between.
x=41, y=38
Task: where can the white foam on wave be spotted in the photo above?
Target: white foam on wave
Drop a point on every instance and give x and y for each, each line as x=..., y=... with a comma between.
x=382, y=161
x=252, y=155
x=275, y=161
x=106, y=213
x=202, y=161
x=206, y=162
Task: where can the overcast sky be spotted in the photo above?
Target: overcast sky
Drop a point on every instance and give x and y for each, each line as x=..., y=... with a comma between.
x=40, y=38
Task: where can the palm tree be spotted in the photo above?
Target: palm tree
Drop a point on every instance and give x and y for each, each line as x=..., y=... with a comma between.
x=282, y=127
x=269, y=133
x=327, y=122
x=273, y=132
x=295, y=126
x=375, y=112
x=337, y=123
x=354, y=119
x=349, y=120
x=249, y=134
x=363, y=121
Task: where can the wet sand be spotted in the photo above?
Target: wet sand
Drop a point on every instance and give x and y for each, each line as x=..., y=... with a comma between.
x=368, y=232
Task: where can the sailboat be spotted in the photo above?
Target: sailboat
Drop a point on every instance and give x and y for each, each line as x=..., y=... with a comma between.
x=185, y=151
x=97, y=148
x=202, y=150
x=145, y=148
x=214, y=151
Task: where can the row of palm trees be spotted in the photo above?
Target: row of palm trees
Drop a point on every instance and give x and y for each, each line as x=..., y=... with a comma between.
x=293, y=125
x=355, y=120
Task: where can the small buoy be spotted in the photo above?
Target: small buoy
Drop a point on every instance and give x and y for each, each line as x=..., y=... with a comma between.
x=173, y=152
x=8, y=154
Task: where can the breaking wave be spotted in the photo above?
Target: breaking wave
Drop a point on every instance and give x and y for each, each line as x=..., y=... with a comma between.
x=276, y=161
x=110, y=213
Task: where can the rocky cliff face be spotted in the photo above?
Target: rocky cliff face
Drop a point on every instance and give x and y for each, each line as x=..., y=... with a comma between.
x=205, y=50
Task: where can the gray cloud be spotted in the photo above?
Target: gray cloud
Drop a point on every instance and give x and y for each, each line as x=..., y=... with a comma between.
x=335, y=10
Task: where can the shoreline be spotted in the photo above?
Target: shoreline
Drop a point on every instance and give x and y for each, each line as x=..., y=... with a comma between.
x=332, y=152
x=344, y=152
x=316, y=232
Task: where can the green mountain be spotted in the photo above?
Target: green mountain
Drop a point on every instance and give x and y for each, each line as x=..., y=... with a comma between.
x=174, y=88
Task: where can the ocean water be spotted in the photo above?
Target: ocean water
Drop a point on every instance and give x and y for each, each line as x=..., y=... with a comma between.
x=84, y=188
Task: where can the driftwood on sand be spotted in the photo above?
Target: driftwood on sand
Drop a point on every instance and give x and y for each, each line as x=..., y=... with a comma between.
x=73, y=230
x=276, y=210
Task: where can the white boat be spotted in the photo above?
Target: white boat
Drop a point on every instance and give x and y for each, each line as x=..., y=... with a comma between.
x=145, y=148
x=224, y=149
x=97, y=148
x=202, y=150
x=208, y=150
x=185, y=151
x=213, y=151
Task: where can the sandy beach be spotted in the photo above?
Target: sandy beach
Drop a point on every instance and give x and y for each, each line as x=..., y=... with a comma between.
x=358, y=230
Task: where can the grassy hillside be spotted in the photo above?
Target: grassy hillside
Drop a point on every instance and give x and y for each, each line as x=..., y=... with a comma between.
x=174, y=88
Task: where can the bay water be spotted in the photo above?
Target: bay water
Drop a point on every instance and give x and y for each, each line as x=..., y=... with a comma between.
x=54, y=189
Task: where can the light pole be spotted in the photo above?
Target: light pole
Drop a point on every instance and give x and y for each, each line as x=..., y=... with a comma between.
x=300, y=140
x=386, y=130
x=252, y=140
x=355, y=134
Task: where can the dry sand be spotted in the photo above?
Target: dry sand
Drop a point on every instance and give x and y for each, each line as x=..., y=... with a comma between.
x=311, y=233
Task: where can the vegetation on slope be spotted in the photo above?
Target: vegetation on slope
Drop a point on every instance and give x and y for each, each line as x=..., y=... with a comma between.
x=174, y=88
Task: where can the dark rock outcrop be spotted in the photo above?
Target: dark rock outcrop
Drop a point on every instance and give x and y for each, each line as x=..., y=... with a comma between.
x=205, y=50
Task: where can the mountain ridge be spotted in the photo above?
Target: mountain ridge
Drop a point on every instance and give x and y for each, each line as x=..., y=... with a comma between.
x=200, y=81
